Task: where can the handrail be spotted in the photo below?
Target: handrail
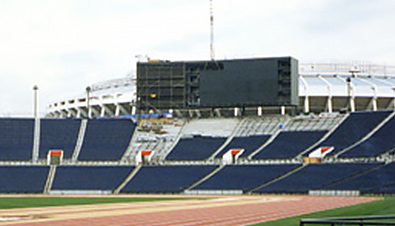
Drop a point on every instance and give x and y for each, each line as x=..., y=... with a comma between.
x=361, y=221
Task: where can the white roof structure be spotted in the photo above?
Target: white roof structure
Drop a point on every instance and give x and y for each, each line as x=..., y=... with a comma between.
x=334, y=88
x=109, y=98
x=322, y=88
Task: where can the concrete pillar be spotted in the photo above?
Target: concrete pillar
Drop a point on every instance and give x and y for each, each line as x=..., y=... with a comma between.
x=236, y=112
x=374, y=104
x=329, y=104
x=306, y=104
x=352, y=104
x=259, y=111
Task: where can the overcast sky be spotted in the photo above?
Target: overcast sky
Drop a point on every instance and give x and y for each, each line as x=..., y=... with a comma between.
x=62, y=46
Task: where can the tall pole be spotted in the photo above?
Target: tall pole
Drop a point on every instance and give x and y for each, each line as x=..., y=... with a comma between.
x=348, y=80
x=88, y=108
x=35, y=89
x=211, y=31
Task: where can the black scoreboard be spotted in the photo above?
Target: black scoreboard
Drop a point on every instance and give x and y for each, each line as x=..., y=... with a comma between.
x=217, y=84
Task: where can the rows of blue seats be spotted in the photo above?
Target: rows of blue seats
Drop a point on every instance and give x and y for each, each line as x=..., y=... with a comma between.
x=166, y=179
x=90, y=177
x=244, y=177
x=368, y=178
x=315, y=176
x=58, y=134
x=249, y=144
x=23, y=179
x=16, y=139
x=353, y=128
x=380, y=142
x=196, y=148
x=106, y=139
x=378, y=180
x=288, y=144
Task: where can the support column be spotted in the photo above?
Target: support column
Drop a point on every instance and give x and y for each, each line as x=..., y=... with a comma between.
x=35, y=89
x=352, y=104
x=117, y=110
x=236, y=112
x=134, y=110
x=329, y=104
x=306, y=104
x=259, y=111
x=374, y=104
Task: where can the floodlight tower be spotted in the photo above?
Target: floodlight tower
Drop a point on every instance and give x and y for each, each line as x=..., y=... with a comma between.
x=211, y=31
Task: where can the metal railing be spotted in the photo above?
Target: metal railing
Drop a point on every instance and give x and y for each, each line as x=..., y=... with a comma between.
x=361, y=221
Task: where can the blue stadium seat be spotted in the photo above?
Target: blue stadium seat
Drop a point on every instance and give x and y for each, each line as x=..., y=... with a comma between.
x=90, y=177
x=288, y=144
x=16, y=139
x=166, y=179
x=196, y=148
x=106, y=139
x=249, y=144
x=23, y=179
x=244, y=177
x=58, y=134
x=378, y=180
x=352, y=130
x=380, y=142
x=315, y=176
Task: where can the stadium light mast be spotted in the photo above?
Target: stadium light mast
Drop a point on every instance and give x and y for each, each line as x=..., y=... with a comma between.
x=211, y=31
x=35, y=89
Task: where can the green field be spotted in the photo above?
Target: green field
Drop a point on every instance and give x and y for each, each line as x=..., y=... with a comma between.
x=25, y=202
x=375, y=208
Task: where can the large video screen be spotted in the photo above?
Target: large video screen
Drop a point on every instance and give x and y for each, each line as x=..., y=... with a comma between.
x=249, y=82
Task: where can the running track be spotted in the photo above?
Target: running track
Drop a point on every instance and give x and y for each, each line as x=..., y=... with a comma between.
x=234, y=210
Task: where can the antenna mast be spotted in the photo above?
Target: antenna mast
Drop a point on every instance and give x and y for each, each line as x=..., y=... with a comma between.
x=211, y=31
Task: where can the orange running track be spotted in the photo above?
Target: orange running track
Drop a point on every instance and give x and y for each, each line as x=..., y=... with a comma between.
x=229, y=210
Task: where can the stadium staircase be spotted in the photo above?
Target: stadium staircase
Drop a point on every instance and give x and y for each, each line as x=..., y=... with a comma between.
x=130, y=150
x=80, y=140
x=127, y=180
x=329, y=133
x=351, y=177
x=277, y=179
x=50, y=178
x=370, y=134
x=230, y=138
x=276, y=132
x=220, y=167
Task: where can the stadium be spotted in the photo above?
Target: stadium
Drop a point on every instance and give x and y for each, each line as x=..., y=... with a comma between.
x=240, y=133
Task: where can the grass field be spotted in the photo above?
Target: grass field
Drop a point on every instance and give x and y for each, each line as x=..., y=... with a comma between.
x=375, y=208
x=25, y=202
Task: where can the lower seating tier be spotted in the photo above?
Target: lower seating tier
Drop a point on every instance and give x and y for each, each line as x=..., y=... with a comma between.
x=90, y=177
x=244, y=177
x=23, y=179
x=166, y=179
x=316, y=177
